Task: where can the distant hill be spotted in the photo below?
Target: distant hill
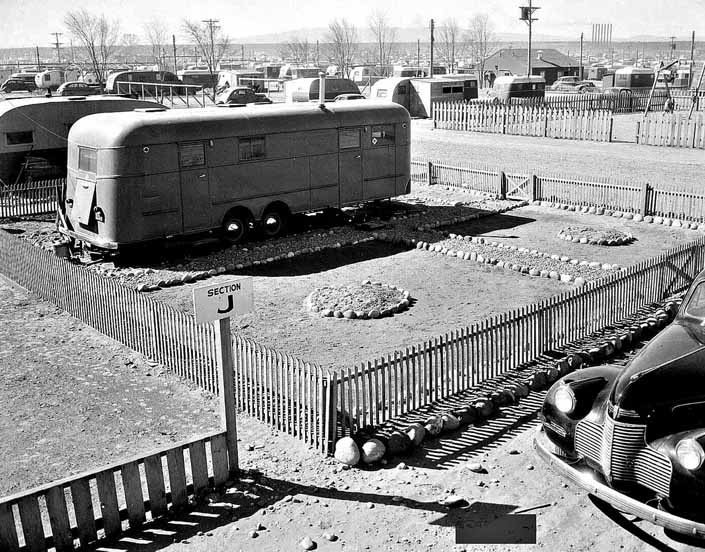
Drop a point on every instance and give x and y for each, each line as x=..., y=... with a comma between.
x=403, y=34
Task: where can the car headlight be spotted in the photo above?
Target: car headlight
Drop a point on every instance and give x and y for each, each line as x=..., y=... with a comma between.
x=564, y=399
x=690, y=454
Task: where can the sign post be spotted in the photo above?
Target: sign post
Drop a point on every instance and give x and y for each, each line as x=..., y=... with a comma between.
x=217, y=303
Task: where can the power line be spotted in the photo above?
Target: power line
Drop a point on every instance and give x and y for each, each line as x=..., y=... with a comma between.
x=57, y=44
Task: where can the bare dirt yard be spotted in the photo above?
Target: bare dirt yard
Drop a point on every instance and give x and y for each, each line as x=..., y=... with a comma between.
x=73, y=399
x=663, y=167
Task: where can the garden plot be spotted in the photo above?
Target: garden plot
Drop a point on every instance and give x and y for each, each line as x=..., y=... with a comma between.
x=537, y=228
x=446, y=294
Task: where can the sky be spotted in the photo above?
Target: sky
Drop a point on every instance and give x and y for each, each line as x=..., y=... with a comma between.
x=27, y=23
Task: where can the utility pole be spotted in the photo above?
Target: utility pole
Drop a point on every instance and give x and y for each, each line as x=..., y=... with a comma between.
x=211, y=54
x=581, y=56
x=673, y=46
x=692, y=49
x=39, y=64
x=418, y=55
x=430, y=69
x=527, y=15
x=173, y=47
x=57, y=44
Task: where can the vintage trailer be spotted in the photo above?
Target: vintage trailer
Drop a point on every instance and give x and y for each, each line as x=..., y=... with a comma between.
x=518, y=86
x=38, y=128
x=630, y=78
x=149, y=175
x=113, y=82
x=50, y=79
x=199, y=77
x=436, y=89
x=306, y=90
x=394, y=89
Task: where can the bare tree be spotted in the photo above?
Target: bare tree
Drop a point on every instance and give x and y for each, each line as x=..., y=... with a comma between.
x=157, y=37
x=128, y=46
x=299, y=50
x=451, y=43
x=384, y=37
x=483, y=41
x=210, y=42
x=97, y=35
x=344, y=45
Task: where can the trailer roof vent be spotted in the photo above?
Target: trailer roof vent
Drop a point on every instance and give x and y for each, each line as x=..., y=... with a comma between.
x=150, y=109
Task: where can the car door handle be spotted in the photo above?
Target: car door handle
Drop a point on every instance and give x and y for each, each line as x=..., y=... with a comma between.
x=357, y=157
x=202, y=175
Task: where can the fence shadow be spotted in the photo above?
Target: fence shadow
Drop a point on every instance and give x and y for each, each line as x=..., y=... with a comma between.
x=241, y=501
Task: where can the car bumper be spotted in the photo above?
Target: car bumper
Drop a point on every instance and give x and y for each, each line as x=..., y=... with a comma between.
x=93, y=239
x=621, y=502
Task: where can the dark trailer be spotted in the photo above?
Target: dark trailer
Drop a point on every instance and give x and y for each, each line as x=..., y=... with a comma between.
x=37, y=129
x=141, y=176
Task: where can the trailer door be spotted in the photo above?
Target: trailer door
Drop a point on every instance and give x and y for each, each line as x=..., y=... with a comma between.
x=350, y=165
x=195, y=191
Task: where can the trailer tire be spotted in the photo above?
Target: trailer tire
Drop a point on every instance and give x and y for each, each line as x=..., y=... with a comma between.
x=275, y=220
x=236, y=226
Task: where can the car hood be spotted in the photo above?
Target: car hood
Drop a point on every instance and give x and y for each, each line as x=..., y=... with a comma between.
x=669, y=370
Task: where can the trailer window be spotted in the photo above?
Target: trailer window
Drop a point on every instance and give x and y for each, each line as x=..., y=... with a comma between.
x=382, y=93
x=383, y=135
x=251, y=148
x=87, y=160
x=18, y=138
x=192, y=154
x=349, y=138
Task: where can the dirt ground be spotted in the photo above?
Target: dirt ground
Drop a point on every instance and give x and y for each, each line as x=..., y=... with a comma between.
x=73, y=399
x=663, y=167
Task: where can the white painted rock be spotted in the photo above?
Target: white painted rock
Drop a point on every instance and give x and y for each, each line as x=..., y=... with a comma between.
x=434, y=425
x=416, y=433
x=372, y=451
x=450, y=422
x=346, y=451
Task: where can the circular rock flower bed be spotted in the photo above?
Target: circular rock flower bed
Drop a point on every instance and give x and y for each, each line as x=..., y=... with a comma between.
x=358, y=301
x=594, y=236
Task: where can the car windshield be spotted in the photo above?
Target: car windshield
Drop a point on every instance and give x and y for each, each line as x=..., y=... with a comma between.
x=696, y=305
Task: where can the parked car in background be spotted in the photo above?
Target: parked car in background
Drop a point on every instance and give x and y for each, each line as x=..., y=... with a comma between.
x=78, y=88
x=587, y=87
x=634, y=436
x=240, y=95
x=15, y=84
x=345, y=97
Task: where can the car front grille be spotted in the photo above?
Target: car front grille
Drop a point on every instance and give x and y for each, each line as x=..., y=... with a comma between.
x=621, y=451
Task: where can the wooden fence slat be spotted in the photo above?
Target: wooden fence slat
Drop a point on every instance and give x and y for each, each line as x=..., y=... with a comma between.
x=58, y=519
x=154, y=473
x=177, y=477
x=219, y=455
x=83, y=508
x=8, y=531
x=109, y=508
x=32, y=527
x=134, y=499
x=199, y=466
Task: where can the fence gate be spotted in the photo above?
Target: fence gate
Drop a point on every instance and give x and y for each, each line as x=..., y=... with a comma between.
x=678, y=271
x=518, y=186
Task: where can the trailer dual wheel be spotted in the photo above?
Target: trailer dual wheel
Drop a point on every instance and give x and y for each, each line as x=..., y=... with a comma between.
x=274, y=221
x=236, y=226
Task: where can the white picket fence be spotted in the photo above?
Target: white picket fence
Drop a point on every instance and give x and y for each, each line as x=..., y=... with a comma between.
x=571, y=124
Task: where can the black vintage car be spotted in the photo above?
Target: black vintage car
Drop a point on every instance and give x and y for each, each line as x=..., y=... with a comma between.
x=634, y=436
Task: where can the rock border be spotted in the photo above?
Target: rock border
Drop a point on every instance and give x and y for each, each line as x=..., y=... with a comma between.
x=523, y=268
x=620, y=240
x=372, y=314
x=636, y=217
x=402, y=442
